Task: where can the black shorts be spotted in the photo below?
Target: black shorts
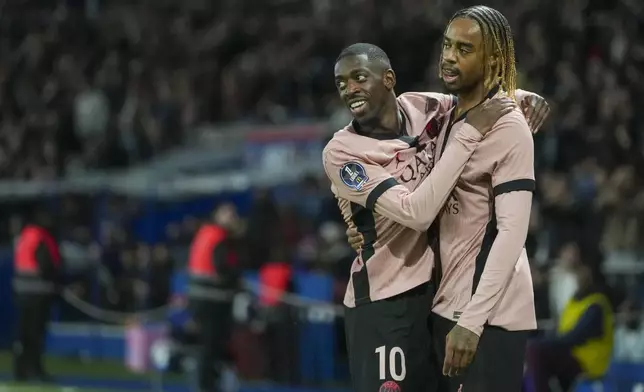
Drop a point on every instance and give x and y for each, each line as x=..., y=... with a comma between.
x=497, y=365
x=389, y=344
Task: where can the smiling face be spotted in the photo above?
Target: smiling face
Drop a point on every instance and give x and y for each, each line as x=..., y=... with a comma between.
x=364, y=86
x=463, y=55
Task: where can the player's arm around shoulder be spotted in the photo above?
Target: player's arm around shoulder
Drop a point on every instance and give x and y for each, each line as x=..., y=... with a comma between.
x=429, y=101
x=535, y=108
x=371, y=186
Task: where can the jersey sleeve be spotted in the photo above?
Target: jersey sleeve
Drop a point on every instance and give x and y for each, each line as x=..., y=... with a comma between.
x=372, y=187
x=513, y=218
x=353, y=178
x=514, y=169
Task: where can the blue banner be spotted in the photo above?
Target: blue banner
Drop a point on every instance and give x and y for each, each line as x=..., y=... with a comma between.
x=284, y=148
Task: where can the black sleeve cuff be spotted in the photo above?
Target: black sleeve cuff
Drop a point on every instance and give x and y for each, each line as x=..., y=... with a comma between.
x=378, y=191
x=524, y=184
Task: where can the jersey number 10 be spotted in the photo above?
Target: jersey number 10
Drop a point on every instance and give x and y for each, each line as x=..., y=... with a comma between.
x=396, y=354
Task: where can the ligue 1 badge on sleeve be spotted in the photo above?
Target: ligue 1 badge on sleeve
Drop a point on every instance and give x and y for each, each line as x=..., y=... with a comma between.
x=353, y=175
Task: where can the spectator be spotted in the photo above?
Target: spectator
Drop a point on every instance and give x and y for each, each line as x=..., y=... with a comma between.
x=584, y=341
x=563, y=282
x=261, y=233
x=629, y=334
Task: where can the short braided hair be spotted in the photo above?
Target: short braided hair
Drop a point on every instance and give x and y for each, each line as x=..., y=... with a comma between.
x=374, y=53
x=497, y=40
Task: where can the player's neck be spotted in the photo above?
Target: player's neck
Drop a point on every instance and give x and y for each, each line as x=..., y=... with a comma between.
x=387, y=124
x=467, y=100
x=390, y=122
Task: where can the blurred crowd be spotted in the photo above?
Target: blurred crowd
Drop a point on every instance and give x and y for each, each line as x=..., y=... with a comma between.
x=97, y=85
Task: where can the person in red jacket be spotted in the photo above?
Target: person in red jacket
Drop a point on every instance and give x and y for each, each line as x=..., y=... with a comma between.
x=214, y=277
x=37, y=263
x=280, y=318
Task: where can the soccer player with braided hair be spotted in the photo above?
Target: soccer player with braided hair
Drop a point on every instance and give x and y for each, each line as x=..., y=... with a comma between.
x=484, y=307
x=497, y=47
x=390, y=188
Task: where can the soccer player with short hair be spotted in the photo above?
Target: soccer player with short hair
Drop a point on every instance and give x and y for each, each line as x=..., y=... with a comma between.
x=382, y=171
x=484, y=302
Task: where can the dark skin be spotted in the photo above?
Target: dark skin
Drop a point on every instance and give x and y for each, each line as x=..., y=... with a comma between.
x=357, y=79
x=536, y=111
x=463, y=54
x=372, y=83
x=463, y=73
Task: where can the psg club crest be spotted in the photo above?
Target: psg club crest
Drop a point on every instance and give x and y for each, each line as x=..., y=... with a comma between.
x=353, y=175
x=389, y=386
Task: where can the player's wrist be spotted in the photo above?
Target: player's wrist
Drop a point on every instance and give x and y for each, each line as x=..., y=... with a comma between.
x=475, y=329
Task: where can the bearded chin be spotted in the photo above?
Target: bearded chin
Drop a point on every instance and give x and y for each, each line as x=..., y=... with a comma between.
x=462, y=89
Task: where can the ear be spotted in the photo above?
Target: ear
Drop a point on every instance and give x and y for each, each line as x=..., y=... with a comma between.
x=389, y=79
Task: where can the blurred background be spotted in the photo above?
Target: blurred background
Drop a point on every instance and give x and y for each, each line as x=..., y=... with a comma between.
x=128, y=122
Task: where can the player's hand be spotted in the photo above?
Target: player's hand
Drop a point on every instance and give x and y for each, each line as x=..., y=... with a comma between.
x=460, y=347
x=484, y=116
x=355, y=238
x=535, y=109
